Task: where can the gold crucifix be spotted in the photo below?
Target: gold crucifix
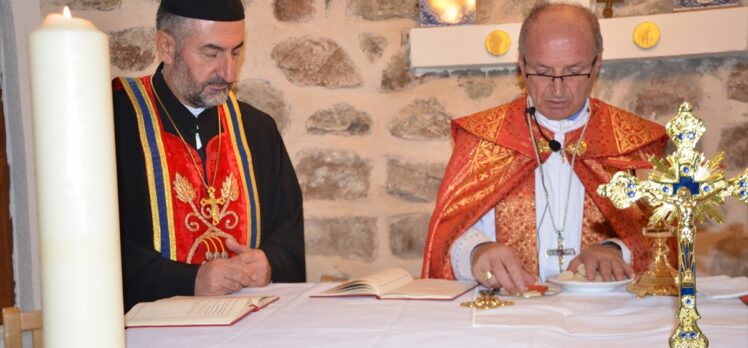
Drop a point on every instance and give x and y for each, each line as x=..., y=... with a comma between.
x=213, y=202
x=608, y=11
x=689, y=188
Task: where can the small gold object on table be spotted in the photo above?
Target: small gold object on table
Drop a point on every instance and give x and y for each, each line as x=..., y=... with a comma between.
x=685, y=187
x=660, y=278
x=487, y=300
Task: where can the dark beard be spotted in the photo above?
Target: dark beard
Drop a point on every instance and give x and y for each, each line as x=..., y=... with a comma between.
x=194, y=93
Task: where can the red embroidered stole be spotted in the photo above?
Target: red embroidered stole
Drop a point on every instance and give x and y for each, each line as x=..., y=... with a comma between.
x=188, y=225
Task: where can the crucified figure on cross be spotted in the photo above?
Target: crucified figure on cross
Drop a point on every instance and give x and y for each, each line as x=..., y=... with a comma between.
x=688, y=188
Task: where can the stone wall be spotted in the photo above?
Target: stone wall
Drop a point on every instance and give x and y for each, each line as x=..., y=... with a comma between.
x=370, y=140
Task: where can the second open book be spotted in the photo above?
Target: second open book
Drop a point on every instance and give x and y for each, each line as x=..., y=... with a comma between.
x=195, y=310
x=398, y=284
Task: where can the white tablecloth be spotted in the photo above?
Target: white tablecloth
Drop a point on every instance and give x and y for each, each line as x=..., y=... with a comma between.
x=361, y=322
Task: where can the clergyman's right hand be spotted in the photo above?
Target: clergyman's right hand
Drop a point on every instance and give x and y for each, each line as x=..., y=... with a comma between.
x=221, y=277
x=506, y=270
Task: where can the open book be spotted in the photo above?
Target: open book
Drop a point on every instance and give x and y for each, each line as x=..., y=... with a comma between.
x=195, y=310
x=397, y=284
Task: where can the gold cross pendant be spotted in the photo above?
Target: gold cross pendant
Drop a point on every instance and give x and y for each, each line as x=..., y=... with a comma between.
x=213, y=202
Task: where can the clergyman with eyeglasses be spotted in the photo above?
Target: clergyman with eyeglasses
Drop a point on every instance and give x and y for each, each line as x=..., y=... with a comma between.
x=518, y=201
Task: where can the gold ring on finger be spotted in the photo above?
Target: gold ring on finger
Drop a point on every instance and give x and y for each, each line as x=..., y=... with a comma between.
x=488, y=275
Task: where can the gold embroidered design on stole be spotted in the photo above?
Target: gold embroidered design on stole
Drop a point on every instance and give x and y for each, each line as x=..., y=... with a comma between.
x=210, y=215
x=488, y=160
x=515, y=224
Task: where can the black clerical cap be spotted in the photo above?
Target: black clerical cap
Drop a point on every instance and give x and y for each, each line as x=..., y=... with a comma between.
x=210, y=10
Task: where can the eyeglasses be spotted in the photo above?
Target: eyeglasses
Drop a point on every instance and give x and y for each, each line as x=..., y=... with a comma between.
x=570, y=78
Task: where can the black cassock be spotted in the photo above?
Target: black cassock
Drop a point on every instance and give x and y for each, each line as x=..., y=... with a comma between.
x=146, y=275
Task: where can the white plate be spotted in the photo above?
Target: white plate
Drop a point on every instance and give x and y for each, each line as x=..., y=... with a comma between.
x=552, y=290
x=588, y=287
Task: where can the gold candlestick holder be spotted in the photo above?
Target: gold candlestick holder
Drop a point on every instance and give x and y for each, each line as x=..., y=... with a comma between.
x=660, y=278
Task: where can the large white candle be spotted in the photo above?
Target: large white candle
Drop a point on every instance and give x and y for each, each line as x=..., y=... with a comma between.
x=76, y=182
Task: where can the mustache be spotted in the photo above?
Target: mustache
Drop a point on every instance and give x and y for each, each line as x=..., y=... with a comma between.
x=217, y=81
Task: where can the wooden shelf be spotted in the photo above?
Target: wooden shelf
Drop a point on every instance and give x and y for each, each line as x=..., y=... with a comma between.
x=683, y=34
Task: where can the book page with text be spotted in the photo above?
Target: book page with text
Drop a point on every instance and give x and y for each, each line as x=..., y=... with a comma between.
x=438, y=289
x=373, y=284
x=388, y=279
x=187, y=310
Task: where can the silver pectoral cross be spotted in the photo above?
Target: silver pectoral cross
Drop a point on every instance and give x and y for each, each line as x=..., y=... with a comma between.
x=561, y=252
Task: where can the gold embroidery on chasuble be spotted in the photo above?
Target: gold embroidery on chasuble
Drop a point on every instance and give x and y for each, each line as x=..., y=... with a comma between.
x=488, y=161
x=208, y=215
x=595, y=228
x=486, y=124
x=630, y=132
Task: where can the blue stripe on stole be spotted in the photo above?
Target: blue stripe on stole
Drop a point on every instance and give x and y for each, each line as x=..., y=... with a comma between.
x=247, y=176
x=687, y=291
x=158, y=174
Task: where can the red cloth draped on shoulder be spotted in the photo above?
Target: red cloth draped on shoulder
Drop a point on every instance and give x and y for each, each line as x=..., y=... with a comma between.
x=493, y=154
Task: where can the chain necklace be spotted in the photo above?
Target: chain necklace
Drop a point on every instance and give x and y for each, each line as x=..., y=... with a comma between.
x=560, y=251
x=211, y=200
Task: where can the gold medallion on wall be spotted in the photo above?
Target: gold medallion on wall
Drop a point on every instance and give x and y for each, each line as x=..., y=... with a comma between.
x=498, y=42
x=646, y=35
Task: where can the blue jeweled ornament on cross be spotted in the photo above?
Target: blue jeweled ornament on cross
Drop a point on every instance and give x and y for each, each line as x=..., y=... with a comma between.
x=685, y=187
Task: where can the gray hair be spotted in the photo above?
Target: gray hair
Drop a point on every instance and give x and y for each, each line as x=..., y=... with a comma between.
x=176, y=26
x=587, y=16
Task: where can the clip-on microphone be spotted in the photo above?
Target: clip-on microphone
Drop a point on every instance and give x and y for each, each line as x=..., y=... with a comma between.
x=552, y=143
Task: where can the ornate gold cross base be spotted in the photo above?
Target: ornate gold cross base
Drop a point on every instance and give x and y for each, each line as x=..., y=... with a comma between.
x=685, y=187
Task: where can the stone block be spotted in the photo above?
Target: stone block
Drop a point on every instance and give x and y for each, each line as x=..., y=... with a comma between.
x=631, y=8
x=308, y=61
x=502, y=11
x=268, y=99
x=89, y=5
x=737, y=83
x=351, y=237
x=408, y=235
x=662, y=95
x=423, y=119
x=377, y=10
x=476, y=87
x=293, y=10
x=333, y=174
x=372, y=44
x=413, y=181
x=396, y=75
x=340, y=119
x=132, y=49
x=734, y=143
x=730, y=254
